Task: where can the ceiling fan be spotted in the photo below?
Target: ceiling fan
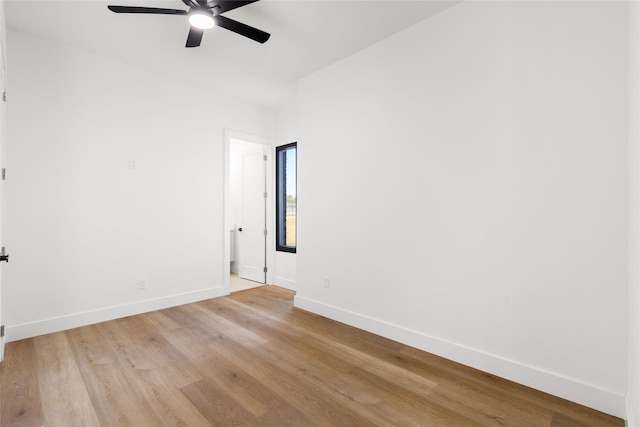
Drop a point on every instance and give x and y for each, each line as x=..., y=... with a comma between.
x=204, y=14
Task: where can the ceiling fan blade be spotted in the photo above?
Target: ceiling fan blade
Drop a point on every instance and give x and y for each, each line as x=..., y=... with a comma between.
x=195, y=37
x=242, y=29
x=227, y=5
x=155, y=10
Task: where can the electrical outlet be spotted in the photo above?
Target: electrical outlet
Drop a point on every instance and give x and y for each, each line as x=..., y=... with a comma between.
x=327, y=282
x=143, y=284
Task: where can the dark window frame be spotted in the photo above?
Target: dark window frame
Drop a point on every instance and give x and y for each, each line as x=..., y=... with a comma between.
x=281, y=197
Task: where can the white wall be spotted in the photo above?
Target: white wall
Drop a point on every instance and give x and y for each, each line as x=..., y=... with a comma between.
x=83, y=227
x=633, y=387
x=286, y=270
x=464, y=187
x=286, y=133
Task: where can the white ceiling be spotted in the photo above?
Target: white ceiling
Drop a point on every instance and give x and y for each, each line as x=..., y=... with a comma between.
x=306, y=35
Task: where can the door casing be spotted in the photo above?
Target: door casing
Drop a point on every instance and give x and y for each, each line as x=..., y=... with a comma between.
x=3, y=151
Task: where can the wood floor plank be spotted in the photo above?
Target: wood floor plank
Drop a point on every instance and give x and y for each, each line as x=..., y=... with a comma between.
x=285, y=415
x=360, y=396
x=126, y=346
x=217, y=406
x=62, y=390
x=251, y=358
x=159, y=321
x=141, y=346
x=194, y=322
x=20, y=399
x=166, y=400
x=288, y=384
x=255, y=397
x=116, y=403
x=230, y=328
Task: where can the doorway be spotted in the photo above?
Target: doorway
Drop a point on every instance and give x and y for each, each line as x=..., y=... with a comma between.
x=247, y=214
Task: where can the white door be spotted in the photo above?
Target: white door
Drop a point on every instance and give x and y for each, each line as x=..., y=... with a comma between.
x=250, y=232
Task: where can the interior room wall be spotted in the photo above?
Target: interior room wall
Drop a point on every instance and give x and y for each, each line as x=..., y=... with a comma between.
x=116, y=183
x=464, y=190
x=286, y=133
x=633, y=387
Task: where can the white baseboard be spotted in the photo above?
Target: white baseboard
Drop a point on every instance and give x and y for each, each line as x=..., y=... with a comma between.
x=285, y=283
x=56, y=324
x=631, y=420
x=585, y=394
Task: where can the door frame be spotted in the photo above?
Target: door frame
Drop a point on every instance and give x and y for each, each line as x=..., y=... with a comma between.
x=230, y=134
x=3, y=157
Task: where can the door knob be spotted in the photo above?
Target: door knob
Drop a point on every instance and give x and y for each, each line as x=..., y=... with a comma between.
x=240, y=229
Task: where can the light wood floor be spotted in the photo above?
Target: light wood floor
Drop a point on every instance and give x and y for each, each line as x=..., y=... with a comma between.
x=251, y=359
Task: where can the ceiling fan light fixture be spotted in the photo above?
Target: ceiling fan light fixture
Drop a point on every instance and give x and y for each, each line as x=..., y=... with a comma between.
x=201, y=19
x=202, y=15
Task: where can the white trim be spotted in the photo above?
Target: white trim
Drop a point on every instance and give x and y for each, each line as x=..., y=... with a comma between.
x=3, y=158
x=630, y=420
x=589, y=395
x=56, y=324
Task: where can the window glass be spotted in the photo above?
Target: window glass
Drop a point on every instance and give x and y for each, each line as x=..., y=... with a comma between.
x=286, y=198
